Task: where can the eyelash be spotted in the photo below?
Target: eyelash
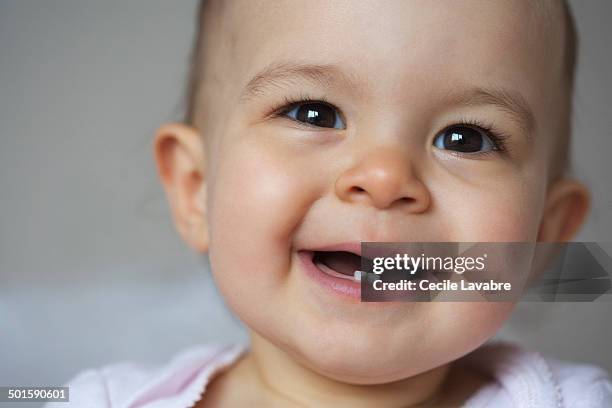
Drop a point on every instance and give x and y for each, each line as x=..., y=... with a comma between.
x=497, y=137
x=290, y=102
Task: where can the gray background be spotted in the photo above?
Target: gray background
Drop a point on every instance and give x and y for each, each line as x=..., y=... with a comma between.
x=91, y=270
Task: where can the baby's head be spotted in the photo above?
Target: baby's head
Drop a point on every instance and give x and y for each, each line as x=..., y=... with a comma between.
x=315, y=125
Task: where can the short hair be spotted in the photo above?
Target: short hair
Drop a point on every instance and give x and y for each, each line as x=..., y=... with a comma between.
x=561, y=163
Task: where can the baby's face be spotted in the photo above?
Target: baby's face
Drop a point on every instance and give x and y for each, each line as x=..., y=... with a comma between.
x=427, y=121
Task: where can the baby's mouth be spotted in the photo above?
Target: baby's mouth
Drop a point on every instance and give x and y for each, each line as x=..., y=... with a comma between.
x=341, y=264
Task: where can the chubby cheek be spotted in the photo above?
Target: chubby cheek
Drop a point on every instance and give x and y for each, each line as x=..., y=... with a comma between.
x=504, y=210
x=254, y=205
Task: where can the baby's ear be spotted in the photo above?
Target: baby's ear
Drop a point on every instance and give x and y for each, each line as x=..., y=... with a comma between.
x=180, y=153
x=566, y=208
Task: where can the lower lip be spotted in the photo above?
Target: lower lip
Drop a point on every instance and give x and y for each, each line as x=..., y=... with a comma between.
x=343, y=287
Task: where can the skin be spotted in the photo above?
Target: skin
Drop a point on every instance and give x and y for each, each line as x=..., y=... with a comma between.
x=251, y=188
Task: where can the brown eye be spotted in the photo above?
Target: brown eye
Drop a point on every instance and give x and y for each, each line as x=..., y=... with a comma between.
x=463, y=139
x=316, y=114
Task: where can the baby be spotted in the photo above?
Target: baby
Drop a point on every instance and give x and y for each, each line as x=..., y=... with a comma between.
x=314, y=125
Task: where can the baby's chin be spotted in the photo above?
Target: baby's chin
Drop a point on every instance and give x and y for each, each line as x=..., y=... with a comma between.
x=366, y=364
x=369, y=356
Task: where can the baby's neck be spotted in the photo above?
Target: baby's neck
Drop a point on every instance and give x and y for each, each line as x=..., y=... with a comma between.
x=267, y=374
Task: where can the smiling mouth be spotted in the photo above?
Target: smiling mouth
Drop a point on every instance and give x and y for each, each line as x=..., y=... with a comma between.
x=340, y=264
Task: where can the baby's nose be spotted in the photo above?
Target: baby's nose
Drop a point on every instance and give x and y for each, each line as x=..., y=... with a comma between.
x=385, y=178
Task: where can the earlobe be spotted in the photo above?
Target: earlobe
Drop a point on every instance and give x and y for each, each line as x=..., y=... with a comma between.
x=566, y=208
x=179, y=154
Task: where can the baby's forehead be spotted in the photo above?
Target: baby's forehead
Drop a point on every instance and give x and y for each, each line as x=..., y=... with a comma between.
x=521, y=37
x=396, y=46
x=546, y=16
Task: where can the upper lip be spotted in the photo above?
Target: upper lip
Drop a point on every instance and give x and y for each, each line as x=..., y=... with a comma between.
x=353, y=247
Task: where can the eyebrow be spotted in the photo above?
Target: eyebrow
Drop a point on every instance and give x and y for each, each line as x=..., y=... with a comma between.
x=509, y=101
x=281, y=74
x=287, y=74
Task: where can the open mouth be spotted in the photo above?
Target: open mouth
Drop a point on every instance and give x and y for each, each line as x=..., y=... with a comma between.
x=347, y=265
x=341, y=264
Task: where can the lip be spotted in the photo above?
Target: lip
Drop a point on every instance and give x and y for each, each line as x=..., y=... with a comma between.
x=352, y=247
x=340, y=286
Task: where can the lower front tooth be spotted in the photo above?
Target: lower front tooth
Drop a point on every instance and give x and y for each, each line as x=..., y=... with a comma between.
x=357, y=276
